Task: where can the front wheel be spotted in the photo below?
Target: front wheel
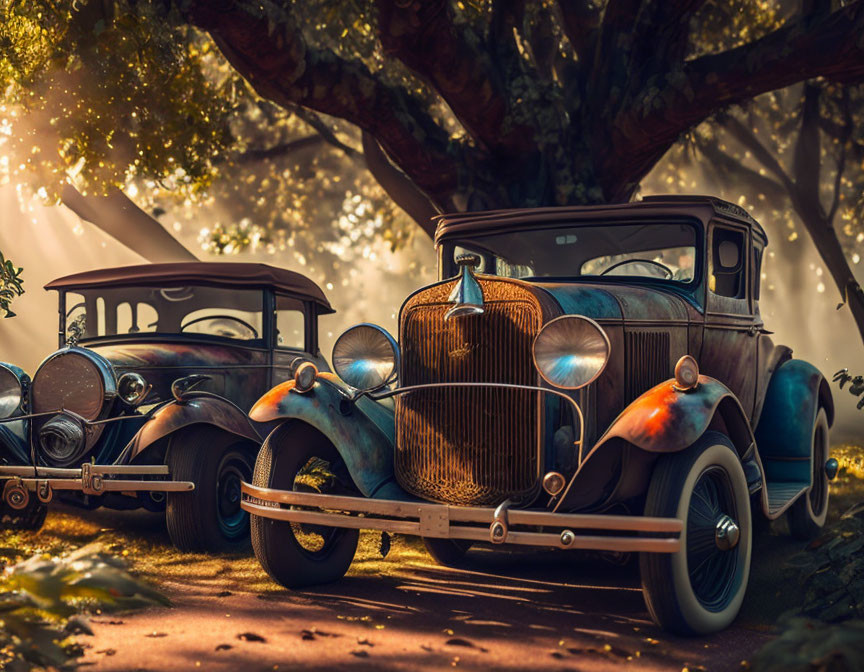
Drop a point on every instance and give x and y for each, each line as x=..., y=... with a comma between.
x=297, y=457
x=807, y=515
x=699, y=589
x=31, y=517
x=447, y=552
x=209, y=518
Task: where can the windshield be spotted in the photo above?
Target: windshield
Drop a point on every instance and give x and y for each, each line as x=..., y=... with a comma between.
x=207, y=311
x=663, y=251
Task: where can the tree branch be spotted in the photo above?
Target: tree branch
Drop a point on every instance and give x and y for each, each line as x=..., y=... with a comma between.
x=274, y=57
x=827, y=46
x=581, y=21
x=398, y=186
x=326, y=133
x=278, y=151
x=423, y=36
x=723, y=165
x=120, y=218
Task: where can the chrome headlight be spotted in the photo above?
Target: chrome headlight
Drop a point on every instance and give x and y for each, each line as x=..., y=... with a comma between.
x=365, y=356
x=76, y=380
x=571, y=351
x=132, y=388
x=12, y=382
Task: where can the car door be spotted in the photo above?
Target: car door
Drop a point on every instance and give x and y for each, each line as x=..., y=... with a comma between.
x=729, y=347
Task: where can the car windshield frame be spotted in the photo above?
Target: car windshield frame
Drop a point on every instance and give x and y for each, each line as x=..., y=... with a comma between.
x=264, y=340
x=448, y=268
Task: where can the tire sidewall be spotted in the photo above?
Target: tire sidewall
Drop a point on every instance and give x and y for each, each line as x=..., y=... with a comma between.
x=700, y=619
x=819, y=454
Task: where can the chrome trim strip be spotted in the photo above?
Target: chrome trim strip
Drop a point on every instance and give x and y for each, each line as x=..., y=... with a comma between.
x=574, y=407
x=412, y=518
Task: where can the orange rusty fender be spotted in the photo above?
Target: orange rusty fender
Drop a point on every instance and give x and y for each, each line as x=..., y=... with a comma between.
x=196, y=408
x=663, y=420
x=362, y=430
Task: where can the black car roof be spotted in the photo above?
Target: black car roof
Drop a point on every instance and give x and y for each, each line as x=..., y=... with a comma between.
x=212, y=273
x=701, y=207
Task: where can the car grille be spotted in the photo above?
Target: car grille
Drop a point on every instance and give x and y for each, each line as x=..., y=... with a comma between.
x=470, y=445
x=649, y=363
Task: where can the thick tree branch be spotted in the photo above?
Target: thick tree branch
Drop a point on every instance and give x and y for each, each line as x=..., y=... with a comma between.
x=759, y=151
x=829, y=46
x=423, y=36
x=398, y=186
x=326, y=133
x=724, y=166
x=120, y=218
x=278, y=151
x=274, y=57
x=581, y=21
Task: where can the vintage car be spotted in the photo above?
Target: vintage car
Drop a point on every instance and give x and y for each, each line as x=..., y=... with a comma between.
x=581, y=378
x=144, y=404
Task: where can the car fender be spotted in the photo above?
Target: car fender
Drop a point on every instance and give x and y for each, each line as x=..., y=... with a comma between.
x=363, y=431
x=664, y=419
x=785, y=432
x=14, y=449
x=194, y=409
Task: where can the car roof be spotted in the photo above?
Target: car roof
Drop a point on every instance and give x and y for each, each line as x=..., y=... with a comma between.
x=234, y=275
x=700, y=207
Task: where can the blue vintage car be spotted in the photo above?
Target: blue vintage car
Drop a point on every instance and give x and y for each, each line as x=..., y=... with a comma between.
x=580, y=378
x=144, y=403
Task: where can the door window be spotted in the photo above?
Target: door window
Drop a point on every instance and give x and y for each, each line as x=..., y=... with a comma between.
x=728, y=263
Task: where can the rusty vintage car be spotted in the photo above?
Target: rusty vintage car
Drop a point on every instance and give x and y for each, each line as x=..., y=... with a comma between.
x=144, y=404
x=581, y=378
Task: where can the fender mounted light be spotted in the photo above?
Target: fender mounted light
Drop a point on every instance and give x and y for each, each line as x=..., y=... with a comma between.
x=686, y=373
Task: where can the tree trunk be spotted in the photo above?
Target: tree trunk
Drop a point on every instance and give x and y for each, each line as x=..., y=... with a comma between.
x=121, y=219
x=827, y=244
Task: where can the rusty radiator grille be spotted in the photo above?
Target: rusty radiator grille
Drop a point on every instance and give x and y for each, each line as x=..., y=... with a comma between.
x=469, y=445
x=647, y=361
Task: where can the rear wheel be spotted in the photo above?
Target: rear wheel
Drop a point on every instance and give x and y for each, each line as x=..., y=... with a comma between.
x=699, y=589
x=297, y=457
x=807, y=515
x=209, y=518
x=447, y=552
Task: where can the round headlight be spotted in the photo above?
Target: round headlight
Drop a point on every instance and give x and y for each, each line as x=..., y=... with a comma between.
x=571, y=351
x=365, y=356
x=132, y=388
x=74, y=380
x=11, y=391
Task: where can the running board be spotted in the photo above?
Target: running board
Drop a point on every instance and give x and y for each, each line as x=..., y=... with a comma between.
x=781, y=495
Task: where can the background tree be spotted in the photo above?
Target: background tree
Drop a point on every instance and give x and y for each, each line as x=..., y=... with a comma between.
x=797, y=156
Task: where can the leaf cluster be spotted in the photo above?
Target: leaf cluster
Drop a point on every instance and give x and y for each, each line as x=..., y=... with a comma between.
x=39, y=598
x=11, y=284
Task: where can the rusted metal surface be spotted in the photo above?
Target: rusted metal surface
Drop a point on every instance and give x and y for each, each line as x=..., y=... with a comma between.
x=785, y=432
x=471, y=445
x=363, y=431
x=468, y=522
x=240, y=374
x=196, y=408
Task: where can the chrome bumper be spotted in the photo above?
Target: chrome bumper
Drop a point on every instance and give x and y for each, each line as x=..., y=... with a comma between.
x=19, y=481
x=501, y=525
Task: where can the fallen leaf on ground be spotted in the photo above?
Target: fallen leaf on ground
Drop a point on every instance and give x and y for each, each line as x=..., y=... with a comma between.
x=157, y=634
x=250, y=637
x=223, y=647
x=360, y=653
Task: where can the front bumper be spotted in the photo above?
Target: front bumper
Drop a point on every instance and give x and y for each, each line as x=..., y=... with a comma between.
x=90, y=479
x=502, y=525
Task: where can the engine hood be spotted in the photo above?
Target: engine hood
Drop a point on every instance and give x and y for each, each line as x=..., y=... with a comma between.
x=143, y=356
x=607, y=302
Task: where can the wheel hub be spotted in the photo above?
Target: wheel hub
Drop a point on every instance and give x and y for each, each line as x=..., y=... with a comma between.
x=726, y=533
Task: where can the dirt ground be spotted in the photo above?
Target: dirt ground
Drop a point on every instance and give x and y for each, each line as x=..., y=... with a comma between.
x=505, y=610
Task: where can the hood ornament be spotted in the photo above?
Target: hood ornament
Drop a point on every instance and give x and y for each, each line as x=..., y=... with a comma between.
x=467, y=294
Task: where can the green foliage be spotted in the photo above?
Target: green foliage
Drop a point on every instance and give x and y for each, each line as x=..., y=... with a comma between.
x=41, y=595
x=856, y=385
x=11, y=284
x=99, y=91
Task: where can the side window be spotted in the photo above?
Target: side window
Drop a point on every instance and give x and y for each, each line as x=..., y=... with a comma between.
x=290, y=329
x=728, y=263
x=757, y=271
